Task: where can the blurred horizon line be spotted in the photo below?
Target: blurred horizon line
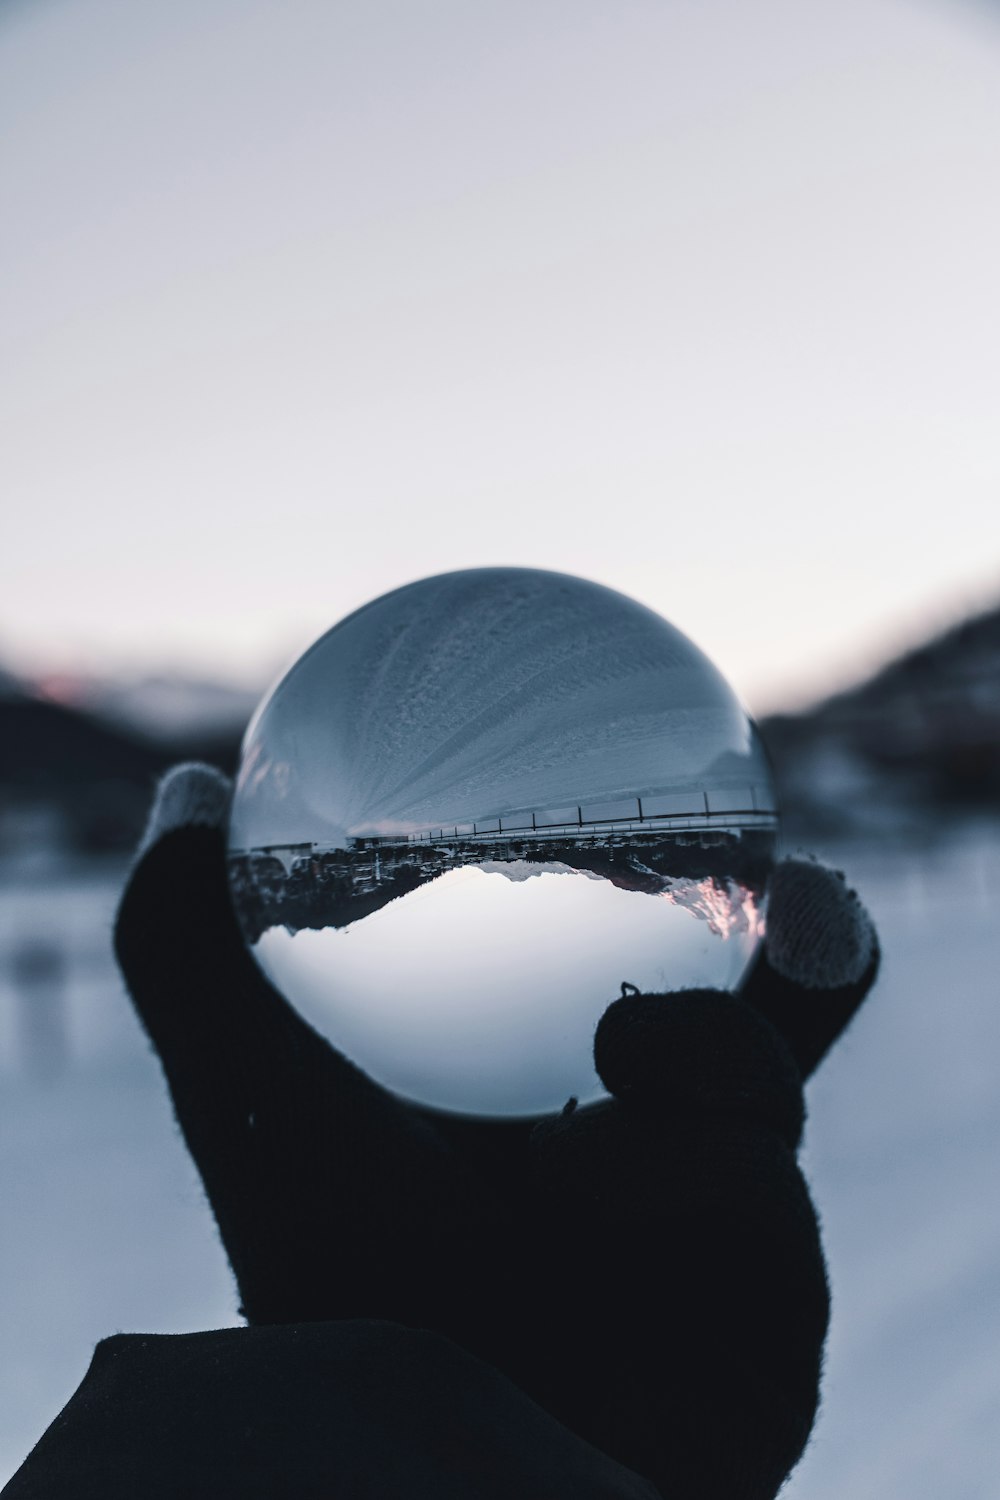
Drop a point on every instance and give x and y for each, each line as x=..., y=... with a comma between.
x=87, y=678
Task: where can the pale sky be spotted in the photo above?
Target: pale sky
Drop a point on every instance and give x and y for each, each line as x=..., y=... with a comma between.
x=301, y=301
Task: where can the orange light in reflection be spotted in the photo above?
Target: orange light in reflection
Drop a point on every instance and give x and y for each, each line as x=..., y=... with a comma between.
x=729, y=909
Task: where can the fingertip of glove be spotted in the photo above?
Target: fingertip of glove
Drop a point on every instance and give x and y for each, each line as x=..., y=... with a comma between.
x=188, y=796
x=819, y=934
x=701, y=1050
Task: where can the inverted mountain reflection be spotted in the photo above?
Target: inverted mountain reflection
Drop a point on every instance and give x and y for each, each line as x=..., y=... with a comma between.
x=717, y=875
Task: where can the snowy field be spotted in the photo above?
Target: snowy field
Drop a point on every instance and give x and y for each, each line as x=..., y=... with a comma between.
x=103, y=1226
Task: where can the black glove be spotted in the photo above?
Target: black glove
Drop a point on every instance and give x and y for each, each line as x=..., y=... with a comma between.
x=647, y=1268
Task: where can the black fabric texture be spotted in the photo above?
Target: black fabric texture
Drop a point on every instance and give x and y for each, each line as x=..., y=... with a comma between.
x=809, y=1020
x=647, y=1269
x=353, y=1410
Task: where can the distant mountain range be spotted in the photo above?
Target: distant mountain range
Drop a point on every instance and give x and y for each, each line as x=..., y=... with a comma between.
x=74, y=775
x=916, y=745
x=913, y=747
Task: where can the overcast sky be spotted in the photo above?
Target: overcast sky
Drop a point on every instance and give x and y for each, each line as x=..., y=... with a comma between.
x=302, y=301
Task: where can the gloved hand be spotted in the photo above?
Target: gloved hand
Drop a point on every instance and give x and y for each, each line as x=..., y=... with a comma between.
x=648, y=1268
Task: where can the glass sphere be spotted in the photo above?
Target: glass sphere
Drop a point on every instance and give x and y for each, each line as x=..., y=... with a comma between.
x=476, y=808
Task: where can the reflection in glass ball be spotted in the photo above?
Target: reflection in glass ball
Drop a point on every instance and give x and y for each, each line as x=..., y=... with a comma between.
x=476, y=807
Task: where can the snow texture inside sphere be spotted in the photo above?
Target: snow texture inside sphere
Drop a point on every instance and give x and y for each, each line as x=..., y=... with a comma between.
x=479, y=805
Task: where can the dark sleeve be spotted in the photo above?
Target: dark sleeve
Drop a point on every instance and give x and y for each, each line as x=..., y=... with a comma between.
x=355, y=1410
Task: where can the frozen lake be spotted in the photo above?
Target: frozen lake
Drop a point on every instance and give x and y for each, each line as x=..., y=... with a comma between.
x=104, y=1226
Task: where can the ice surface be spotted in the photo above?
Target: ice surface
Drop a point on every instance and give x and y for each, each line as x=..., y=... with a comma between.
x=902, y=1145
x=103, y=1225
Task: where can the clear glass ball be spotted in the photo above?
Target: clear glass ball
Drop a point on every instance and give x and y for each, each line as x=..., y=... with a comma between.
x=476, y=808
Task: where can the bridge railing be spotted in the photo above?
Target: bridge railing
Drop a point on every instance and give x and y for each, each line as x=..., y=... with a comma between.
x=745, y=807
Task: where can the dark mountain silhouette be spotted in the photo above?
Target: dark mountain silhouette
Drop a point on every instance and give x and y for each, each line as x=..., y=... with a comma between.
x=916, y=744
x=92, y=780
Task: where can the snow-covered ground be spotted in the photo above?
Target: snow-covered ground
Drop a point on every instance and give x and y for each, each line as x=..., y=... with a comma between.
x=103, y=1225
x=902, y=1148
